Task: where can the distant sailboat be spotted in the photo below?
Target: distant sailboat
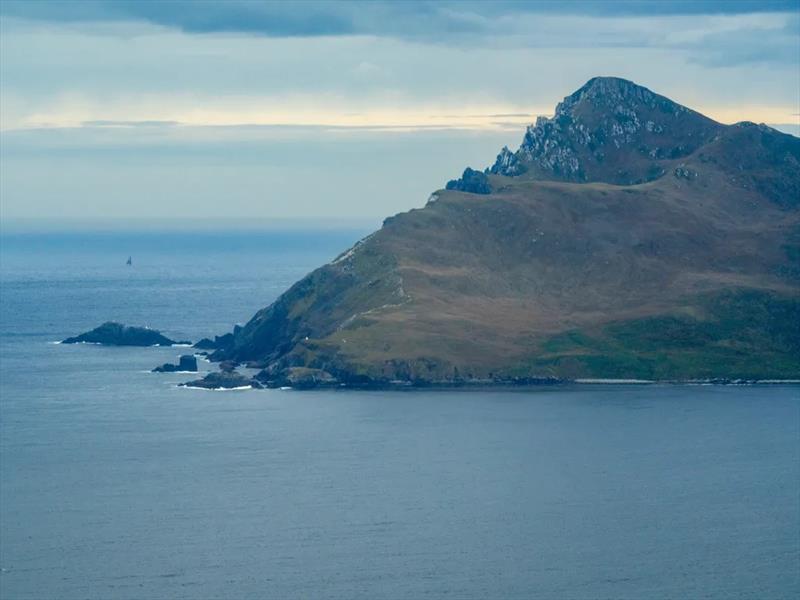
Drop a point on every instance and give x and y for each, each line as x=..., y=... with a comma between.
x=130, y=262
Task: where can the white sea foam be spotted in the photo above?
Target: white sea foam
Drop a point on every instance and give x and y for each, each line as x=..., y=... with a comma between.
x=197, y=387
x=615, y=381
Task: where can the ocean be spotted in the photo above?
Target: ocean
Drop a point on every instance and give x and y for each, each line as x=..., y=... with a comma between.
x=115, y=483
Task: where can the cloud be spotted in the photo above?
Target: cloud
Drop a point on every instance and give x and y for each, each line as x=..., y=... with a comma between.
x=241, y=99
x=241, y=172
x=106, y=123
x=487, y=116
x=756, y=39
x=64, y=76
x=712, y=33
x=367, y=69
x=790, y=128
x=409, y=19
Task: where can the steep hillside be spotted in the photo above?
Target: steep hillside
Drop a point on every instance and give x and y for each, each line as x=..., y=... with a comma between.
x=546, y=266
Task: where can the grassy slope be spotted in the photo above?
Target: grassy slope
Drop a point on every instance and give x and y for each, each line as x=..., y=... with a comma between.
x=744, y=334
x=678, y=278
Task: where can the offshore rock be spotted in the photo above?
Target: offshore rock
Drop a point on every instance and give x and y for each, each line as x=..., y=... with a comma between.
x=223, y=380
x=117, y=334
x=186, y=363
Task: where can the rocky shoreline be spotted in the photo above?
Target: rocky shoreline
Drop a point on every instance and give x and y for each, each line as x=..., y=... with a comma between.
x=312, y=379
x=307, y=378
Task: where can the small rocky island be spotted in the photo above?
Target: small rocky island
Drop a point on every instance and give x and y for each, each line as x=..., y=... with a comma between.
x=186, y=364
x=223, y=380
x=117, y=334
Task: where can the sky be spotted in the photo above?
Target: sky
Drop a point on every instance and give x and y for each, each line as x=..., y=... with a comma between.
x=265, y=112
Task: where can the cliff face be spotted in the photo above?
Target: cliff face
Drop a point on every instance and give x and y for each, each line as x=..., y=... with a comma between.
x=546, y=266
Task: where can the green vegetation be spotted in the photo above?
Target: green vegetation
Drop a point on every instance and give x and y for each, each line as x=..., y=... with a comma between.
x=747, y=334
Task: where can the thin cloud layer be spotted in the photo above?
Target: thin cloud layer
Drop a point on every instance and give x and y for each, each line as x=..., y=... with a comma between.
x=245, y=96
x=411, y=18
x=714, y=33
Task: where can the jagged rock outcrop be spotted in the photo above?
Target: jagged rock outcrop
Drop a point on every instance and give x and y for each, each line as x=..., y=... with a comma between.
x=117, y=334
x=471, y=181
x=219, y=341
x=610, y=130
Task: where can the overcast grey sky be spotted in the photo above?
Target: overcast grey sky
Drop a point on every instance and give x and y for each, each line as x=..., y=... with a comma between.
x=255, y=110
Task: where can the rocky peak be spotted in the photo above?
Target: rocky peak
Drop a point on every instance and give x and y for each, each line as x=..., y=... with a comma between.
x=610, y=130
x=617, y=95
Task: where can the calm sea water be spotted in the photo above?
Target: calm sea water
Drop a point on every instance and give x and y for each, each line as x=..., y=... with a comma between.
x=116, y=484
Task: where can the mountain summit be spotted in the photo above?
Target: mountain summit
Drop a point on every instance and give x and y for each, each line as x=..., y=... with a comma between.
x=628, y=236
x=610, y=130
